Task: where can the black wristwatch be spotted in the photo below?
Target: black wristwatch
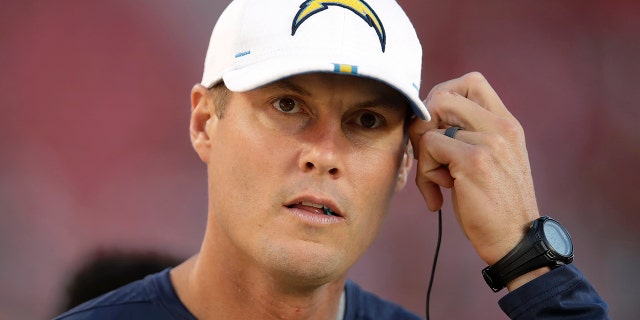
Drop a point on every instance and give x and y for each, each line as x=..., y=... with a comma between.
x=547, y=244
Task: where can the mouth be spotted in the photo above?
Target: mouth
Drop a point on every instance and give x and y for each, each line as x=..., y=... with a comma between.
x=318, y=208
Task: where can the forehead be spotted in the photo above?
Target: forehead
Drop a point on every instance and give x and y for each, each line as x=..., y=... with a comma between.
x=311, y=84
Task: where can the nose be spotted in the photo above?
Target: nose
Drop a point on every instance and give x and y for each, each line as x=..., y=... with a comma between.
x=332, y=171
x=324, y=151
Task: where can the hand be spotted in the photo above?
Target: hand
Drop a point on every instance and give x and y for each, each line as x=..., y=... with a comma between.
x=486, y=166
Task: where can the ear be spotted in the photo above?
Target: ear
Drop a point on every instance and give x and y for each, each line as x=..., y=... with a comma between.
x=405, y=167
x=202, y=116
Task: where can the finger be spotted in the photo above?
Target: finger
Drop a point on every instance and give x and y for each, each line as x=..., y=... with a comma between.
x=420, y=140
x=473, y=138
x=440, y=176
x=437, y=150
x=431, y=194
x=417, y=128
x=475, y=87
x=449, y=108
x=430, y=175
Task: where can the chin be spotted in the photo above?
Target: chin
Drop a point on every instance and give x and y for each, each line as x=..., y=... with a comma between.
x=308, y=264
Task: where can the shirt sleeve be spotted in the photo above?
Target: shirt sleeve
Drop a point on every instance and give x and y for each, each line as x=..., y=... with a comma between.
x=563, y=293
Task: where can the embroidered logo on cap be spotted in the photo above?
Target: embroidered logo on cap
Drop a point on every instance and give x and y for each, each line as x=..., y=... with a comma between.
x=359, y=7
x=345, y=68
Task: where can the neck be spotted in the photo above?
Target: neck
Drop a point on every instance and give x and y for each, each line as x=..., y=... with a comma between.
x=217, y=286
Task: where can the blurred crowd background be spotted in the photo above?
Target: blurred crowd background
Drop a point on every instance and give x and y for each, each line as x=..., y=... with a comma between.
x=95, y=153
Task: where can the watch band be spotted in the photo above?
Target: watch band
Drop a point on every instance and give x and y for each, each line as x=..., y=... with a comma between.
x=531, y=253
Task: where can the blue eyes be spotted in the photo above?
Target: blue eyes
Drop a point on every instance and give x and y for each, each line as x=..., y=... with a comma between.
x=363, y=118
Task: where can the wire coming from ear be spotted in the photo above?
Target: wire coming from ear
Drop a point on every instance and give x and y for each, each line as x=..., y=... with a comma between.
x=435, y=262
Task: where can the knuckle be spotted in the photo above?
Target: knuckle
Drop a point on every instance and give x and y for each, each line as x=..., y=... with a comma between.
x=437, y=87
x=496, y=142
x=479, y=158
x=475, y=77
x=438, y=93
x=438, y=97
x=426, y=138
x=509, y=128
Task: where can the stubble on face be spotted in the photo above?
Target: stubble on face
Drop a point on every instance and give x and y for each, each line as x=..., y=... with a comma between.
x=256, y=171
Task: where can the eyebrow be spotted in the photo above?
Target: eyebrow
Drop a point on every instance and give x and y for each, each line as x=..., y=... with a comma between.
x=286, y=84
x=383, y=102
x=379, y=101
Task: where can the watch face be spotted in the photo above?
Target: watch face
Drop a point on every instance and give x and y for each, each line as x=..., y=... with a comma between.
x=558, y=238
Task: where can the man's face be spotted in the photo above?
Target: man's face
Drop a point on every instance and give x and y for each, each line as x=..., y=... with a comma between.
x=301, y=173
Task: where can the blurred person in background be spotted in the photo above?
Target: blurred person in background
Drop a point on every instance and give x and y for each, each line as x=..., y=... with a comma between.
x=106, y=270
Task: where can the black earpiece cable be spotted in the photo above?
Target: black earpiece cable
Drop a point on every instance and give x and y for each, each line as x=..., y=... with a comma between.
x=435, y=261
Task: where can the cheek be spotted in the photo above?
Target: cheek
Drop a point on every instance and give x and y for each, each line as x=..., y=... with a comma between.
x=251, y=158
x=377, y=172
x=243, y=172
x=377, y=178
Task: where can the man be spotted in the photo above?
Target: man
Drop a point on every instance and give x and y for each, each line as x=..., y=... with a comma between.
x=304, y=118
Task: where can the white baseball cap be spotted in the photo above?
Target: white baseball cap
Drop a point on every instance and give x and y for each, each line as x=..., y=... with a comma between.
x=256, y=42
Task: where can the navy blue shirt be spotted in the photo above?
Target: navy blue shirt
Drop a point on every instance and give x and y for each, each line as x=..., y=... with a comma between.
x=563, y=293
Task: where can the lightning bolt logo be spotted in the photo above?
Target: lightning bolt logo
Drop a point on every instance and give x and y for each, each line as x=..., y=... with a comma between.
x=359, y=7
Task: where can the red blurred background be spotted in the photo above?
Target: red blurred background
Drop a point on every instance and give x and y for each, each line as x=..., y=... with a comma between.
x=95, y=153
